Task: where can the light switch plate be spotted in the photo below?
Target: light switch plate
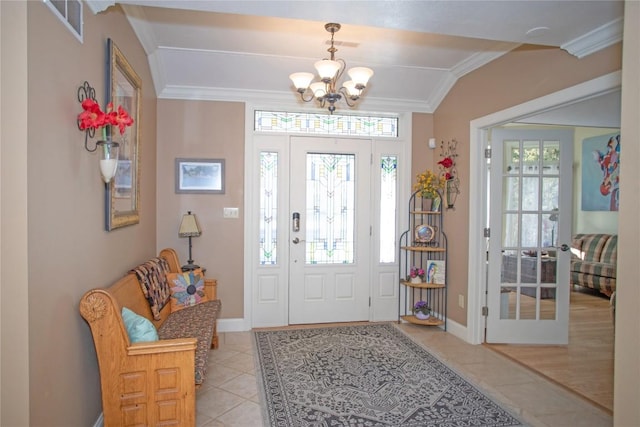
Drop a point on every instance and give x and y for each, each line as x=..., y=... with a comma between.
x=230, y=212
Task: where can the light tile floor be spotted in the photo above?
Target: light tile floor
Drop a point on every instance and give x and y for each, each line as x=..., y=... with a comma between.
x=229, y=396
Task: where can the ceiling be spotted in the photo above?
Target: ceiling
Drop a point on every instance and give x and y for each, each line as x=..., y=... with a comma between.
x=245, y=50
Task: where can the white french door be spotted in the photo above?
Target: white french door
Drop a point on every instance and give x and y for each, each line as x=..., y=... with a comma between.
x=530, y=221
x=329, y=244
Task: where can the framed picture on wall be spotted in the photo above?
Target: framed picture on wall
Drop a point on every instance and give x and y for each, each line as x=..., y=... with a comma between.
x=200, y=176
x=601, y=173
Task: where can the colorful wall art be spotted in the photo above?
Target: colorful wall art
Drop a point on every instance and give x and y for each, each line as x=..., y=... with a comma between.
x=601, y=173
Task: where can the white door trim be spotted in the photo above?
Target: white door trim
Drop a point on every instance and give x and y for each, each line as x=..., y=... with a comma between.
x=388, y=272
x=477, y=186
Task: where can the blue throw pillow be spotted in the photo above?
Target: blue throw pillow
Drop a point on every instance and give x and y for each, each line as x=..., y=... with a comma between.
x=139, y=328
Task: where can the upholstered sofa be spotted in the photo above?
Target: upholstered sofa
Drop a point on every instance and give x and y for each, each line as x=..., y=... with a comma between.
x=150, y=381
x=594, y=261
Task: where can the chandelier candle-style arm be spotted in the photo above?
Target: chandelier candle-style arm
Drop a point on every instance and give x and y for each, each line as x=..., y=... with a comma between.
x=326, y=90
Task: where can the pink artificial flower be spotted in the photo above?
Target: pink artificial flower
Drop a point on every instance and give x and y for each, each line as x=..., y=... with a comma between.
x=447, y=162
x=92, y=117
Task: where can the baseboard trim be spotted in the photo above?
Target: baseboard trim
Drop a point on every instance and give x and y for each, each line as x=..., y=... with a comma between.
x=232, y=325
x=458, y=330
x=241, y=325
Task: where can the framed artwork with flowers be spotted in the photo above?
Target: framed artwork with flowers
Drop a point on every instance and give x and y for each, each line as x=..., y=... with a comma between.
x=125, y=92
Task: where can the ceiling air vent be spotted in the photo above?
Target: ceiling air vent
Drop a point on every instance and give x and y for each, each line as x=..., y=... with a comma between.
x=343, y=44
x=70, y=13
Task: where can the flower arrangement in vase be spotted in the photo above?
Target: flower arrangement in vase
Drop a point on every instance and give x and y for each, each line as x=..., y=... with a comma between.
x=422, y=310
x=428, y=183
x=92, y=118
x=416, y=275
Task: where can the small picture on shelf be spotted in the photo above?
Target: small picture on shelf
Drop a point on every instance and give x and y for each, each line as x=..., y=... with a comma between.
x=435, y=272
x=424, y=233
x=435, y=204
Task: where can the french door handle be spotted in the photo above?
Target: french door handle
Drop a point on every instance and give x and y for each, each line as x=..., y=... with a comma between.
x=296, y=240
x=564, y=247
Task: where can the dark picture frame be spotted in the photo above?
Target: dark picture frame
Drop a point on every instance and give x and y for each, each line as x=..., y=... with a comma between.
x=199, y=176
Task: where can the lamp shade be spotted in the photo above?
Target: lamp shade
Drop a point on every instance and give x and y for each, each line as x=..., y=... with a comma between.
x=360, y=76
x=318, y=89
x=327, y=68
x=301, y=80
x=189, y=226
x=351, y=88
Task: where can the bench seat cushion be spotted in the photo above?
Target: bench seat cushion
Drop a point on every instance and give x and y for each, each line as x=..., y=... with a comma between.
x=198, y=322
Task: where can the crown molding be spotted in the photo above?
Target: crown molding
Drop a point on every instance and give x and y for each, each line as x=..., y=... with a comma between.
x=482, y=58
x=98, y=6
x=596, y=40
x=441, y=91
x=140, y=25
x=288, y=99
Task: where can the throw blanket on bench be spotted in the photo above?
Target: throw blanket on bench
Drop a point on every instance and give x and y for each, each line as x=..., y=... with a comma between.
x=152, y=276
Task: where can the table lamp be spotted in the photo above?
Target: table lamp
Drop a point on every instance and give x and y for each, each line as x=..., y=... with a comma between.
x=189, y=228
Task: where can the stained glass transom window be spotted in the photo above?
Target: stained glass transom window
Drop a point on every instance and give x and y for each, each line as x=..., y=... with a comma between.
x=325, y=124
x=268, y=208
x=388, y=195
x=330, y=208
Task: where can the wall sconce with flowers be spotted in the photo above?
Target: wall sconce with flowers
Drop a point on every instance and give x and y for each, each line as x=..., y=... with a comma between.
x=92, y=118
x=449, y=171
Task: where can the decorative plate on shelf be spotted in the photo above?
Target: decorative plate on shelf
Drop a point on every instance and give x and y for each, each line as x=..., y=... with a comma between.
x=424, y=233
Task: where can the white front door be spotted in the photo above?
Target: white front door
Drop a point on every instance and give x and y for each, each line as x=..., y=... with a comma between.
x=530, y=224
x=329, y=212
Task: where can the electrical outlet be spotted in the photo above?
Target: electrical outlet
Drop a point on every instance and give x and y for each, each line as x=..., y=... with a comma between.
x=230, y=212
x=461, y=300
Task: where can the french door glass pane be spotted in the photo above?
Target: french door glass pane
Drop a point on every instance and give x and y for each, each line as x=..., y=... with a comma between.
x=529, y=230
x=530, y=193
x=330, y=209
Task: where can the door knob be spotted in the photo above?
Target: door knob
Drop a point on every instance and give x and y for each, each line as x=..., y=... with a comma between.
x=564, y=247
x=296, y=240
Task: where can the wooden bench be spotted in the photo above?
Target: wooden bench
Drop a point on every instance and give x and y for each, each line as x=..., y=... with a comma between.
x=149, y=383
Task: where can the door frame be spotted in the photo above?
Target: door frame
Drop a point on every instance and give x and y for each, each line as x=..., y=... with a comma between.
x=477, y=269
x=385, y=274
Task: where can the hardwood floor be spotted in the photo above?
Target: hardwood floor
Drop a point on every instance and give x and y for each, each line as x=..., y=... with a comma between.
x=585, y=365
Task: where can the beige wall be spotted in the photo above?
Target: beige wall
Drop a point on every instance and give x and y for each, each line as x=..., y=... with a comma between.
x=521, y=75
x=14, y=303
x=422, y=157
x=69, y=251
x=205, y=130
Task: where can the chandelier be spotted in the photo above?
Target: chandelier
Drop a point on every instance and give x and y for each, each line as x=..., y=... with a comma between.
x=326, y=90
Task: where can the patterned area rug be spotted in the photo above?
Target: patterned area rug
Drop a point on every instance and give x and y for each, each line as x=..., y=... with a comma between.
x=371, y=375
